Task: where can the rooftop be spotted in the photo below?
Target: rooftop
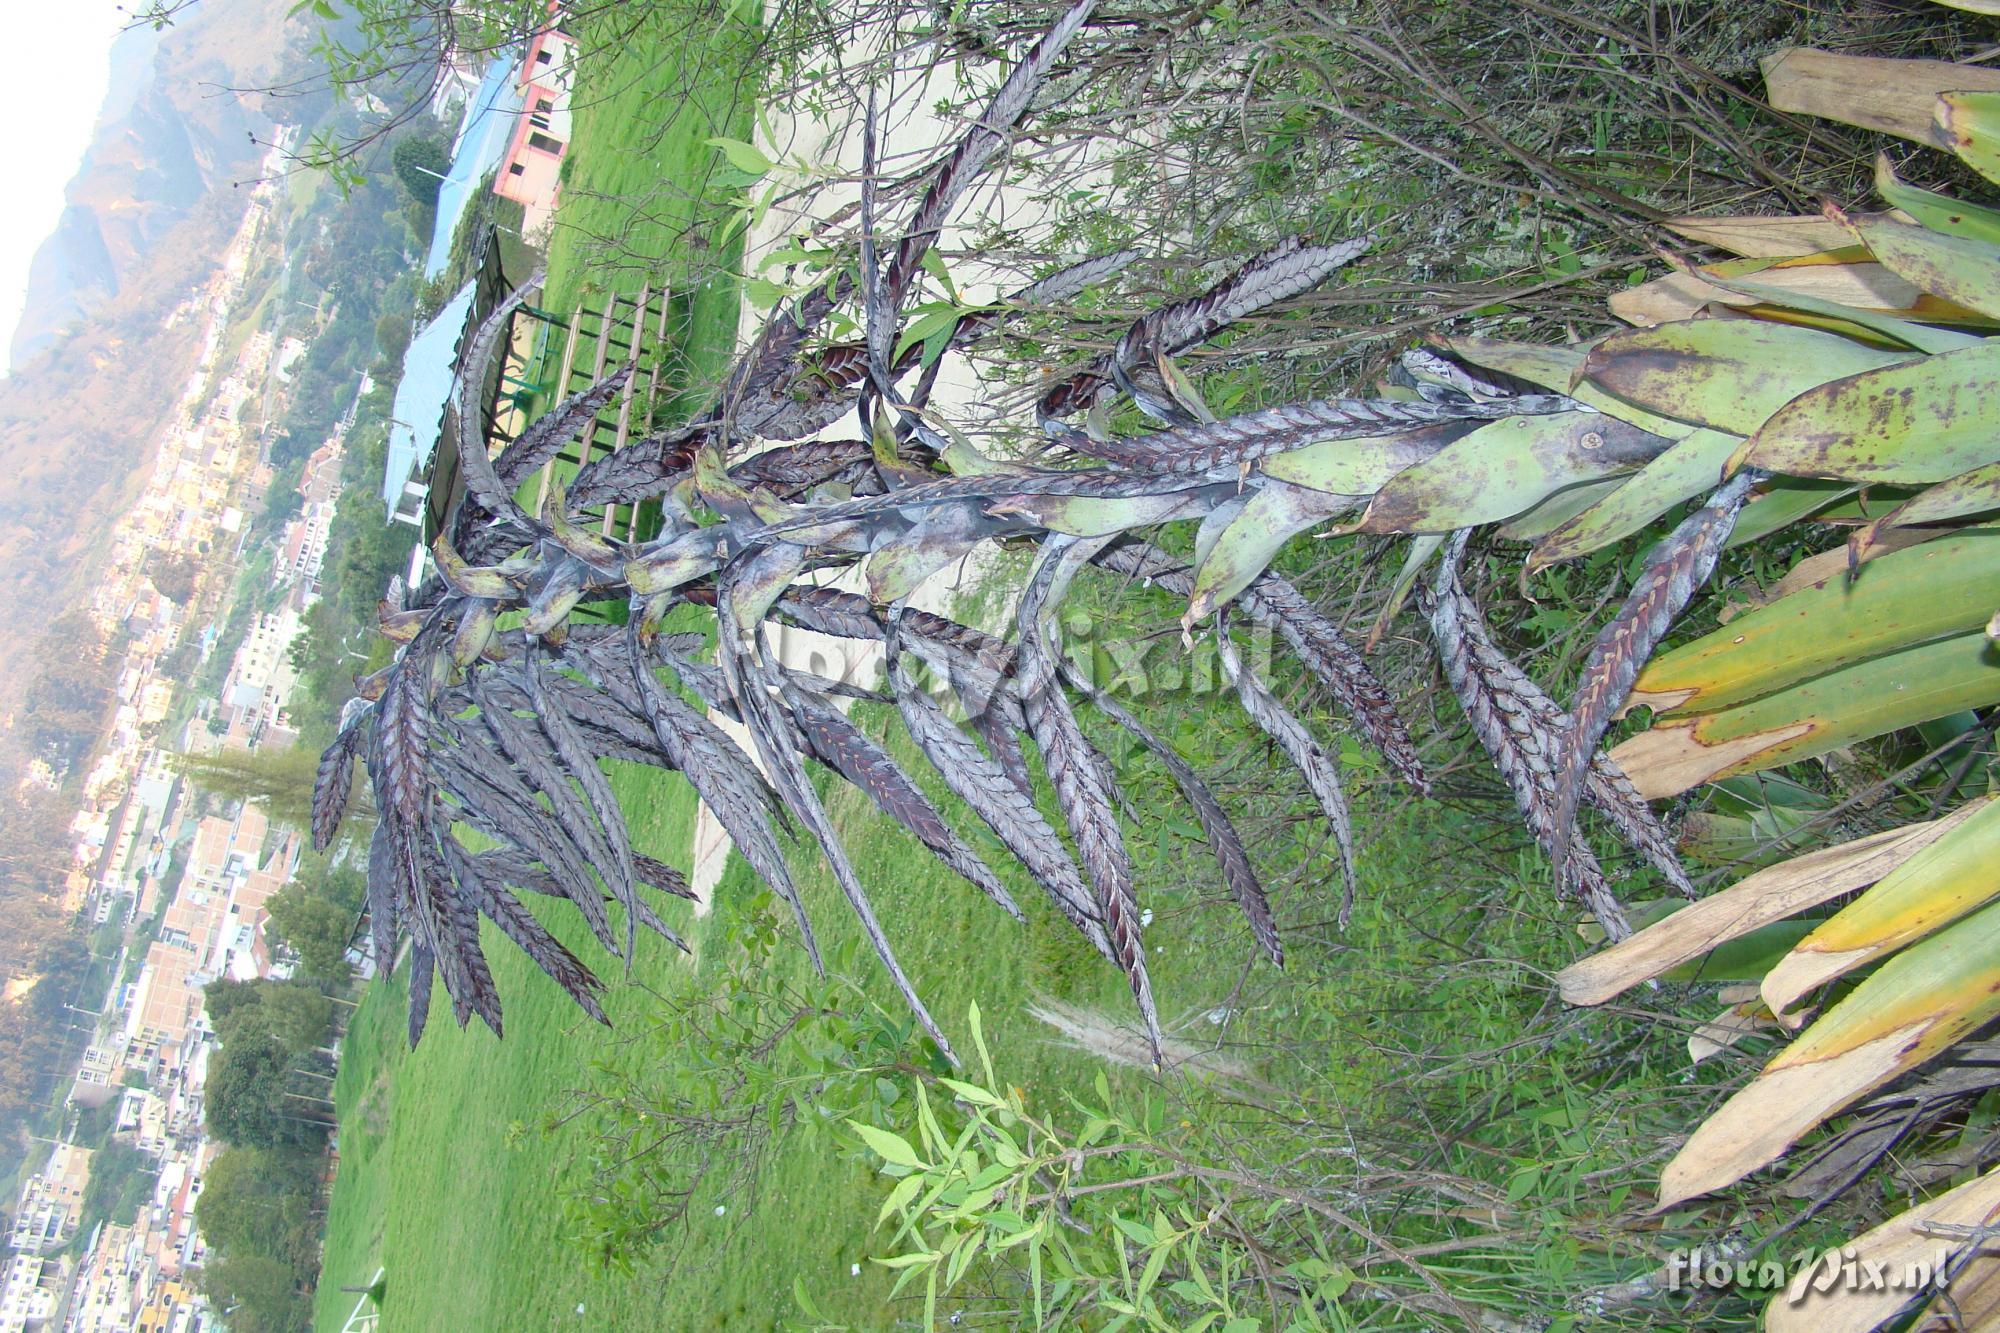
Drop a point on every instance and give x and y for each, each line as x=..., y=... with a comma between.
x=482, y=138
x=429, y=367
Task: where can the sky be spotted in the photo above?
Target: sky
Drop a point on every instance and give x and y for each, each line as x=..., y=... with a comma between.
x=58, y=97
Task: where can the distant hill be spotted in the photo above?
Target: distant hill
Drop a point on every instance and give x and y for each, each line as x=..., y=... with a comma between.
x=99, y=363
x=171, y=133
x=99, y=357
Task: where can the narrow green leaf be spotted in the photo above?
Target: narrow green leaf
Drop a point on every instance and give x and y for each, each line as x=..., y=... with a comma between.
x=931, y=319
x=1137, y=1232
x=906, y=1189
x=979, y=1038
x=1557, y=509
x=1783, y=502
x=889, y=1147
x=1156, y=1264
x=971, y=1092
x=805, y=1301
x=1923, y=337
x=1921, y=421
x=1743, y=959
x=745, y=157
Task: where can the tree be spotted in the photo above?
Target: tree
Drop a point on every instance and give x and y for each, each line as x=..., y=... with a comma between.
x=279, y=780
x=224, y=1001
x=174, y=577
x=395, y=51
x=296, y=1014
x=420, y=161
x=259, y=1202
x=315, y=928
x=66, y=705
x=121, y=1179
x=262, y=1294
x=392, y=335
x=251, y=1100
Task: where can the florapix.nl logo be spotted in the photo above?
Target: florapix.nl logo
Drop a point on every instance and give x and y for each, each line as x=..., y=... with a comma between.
x=1846, y=1269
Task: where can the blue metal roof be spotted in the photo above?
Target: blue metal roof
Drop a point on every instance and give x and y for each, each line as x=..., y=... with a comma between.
x=482, y=141
x=429, y=367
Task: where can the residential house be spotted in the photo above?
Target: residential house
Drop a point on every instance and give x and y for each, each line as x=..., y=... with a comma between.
x=530, y=170
x=51, y=1202
x=29, y=1298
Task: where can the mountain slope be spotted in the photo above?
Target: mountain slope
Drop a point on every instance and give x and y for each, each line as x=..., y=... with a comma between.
x=171, y=133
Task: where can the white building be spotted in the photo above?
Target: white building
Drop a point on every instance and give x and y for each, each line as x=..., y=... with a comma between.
x=27, y=1301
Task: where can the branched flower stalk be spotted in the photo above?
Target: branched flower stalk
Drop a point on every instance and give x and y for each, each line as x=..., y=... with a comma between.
x=501, y=729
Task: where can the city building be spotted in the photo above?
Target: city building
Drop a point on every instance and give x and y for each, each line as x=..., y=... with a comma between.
x=29, y=1298
x=99, y=1075
x=51, y=1202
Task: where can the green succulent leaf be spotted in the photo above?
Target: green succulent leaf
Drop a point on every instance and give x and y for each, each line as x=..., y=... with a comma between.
x=1684, y=471
x=1728, y=374
x=1973, y=492
x=1356, y=467
x=1558, y=369
x=1506, y=468
x=1961, y=269
x=1272, y=517
x=1917, y=1004
x=1950, y=216
x=1970, y=123
x=1919, y=421
x=1893, y=329
x=1783, y=502
x=1940, y=884
x=1907, y=597
x=1868, y=698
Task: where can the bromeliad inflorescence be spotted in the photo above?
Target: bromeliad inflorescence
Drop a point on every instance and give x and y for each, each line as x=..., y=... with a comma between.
x=499, y=728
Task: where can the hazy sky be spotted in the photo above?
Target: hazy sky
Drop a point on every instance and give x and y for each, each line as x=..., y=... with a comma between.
x=55, y=93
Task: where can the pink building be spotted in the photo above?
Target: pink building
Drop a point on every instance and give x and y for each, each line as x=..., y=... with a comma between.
x=530, y=170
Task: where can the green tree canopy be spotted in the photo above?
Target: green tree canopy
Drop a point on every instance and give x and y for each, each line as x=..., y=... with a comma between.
x=259, y=1202
x=315, y=927
x=262, y=1294
x=392, y=335
x=419, y=161
x=248, y=1101
x=279, y=780
x=296, y=1014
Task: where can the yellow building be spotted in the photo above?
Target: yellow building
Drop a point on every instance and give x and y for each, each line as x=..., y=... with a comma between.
x=51, y=1202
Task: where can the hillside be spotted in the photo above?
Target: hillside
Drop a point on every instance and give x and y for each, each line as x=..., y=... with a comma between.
x=112, y=329
x=171, y=134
